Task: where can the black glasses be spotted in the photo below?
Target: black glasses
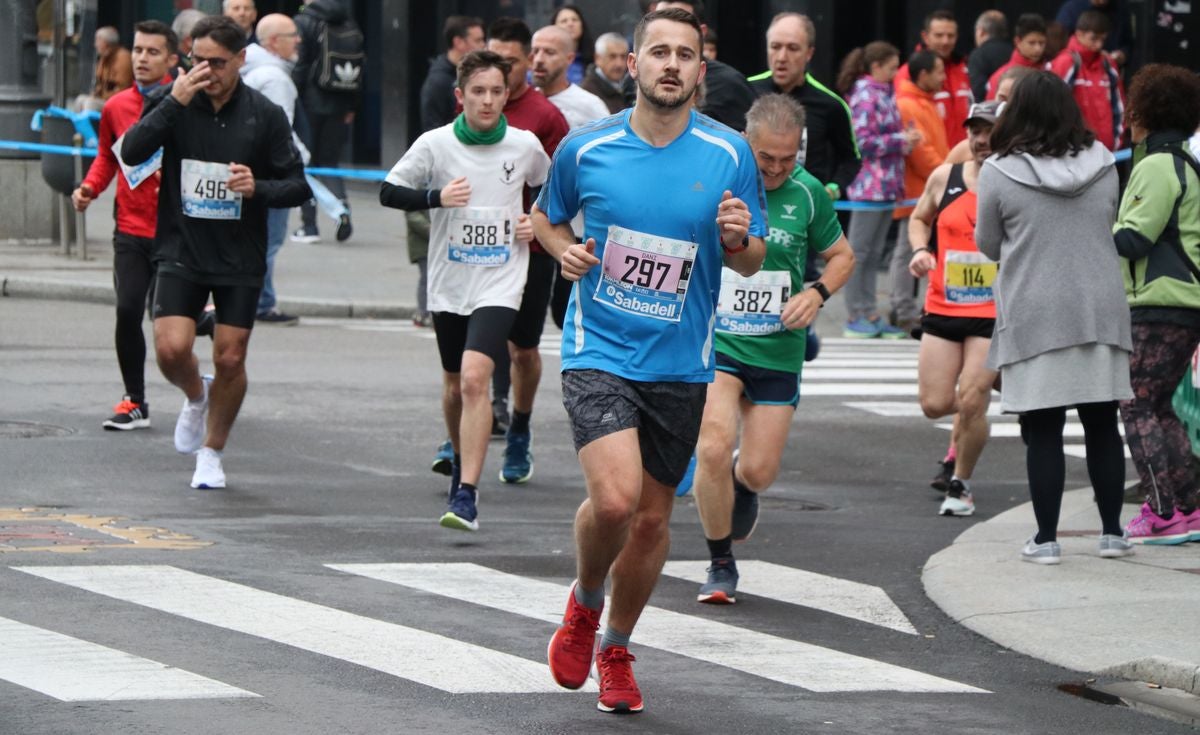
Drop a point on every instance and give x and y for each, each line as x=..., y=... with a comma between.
x=215, y=63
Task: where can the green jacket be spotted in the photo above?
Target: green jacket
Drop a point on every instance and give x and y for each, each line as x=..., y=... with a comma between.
x=1158, y=228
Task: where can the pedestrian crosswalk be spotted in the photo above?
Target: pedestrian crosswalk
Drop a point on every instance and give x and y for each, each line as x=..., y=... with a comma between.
x=880, y=377
x=72, y=669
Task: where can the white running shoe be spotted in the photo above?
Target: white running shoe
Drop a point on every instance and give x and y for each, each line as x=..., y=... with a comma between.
x=1047, y=553
x=209, y=475
x=958, y=502
x=189, y=427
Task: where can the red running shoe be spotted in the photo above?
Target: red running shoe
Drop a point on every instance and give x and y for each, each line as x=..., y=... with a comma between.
x=619, y=693
x=570, y=650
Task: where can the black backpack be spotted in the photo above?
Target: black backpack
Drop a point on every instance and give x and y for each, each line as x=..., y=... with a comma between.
x=339, y=64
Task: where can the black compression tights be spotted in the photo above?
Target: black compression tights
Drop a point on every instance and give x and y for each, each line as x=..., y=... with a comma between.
x=1044, y=461
x=133, y=278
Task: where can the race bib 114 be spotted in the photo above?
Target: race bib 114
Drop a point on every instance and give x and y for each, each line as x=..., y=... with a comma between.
x=968, y=277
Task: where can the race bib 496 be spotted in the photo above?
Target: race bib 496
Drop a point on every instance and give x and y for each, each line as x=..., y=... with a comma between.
x=204, y=190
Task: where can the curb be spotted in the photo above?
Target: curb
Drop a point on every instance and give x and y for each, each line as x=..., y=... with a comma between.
x=1165, y=672
x=65, y=290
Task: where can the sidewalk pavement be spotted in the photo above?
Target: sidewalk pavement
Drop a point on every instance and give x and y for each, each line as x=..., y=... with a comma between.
x=1128, y=618
x=1110, y=617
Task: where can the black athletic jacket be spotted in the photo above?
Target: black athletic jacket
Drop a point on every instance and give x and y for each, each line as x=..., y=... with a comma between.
x=249, y=129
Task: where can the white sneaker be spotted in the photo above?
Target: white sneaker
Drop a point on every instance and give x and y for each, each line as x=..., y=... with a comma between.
x=1114, y=547
x=209, y=474
x=1047, y=553
x=189, y=427
x=962, y=504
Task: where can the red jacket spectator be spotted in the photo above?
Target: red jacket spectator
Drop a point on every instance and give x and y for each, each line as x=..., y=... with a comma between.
x=953, y=101
x=137, y=209
x=1097, y=88
x=1015, y=60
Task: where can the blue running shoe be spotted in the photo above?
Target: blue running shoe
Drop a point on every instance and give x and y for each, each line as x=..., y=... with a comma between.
x=685, y=485
x=861, y=329
x=887, y=331
x=461, y=513
x=812, y=345
x=518, y=460
x=455, y=479
x=721, y=587
x=444, y=459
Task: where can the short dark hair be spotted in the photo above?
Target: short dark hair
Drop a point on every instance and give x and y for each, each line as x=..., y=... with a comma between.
x=1041, y=118
x=697, y=8
x=158, y=28
x=1030, y=23
x=1093, y=21
x=507, y=30
x=221, y=29
x=1165, y=97
x=678, y=15
x=922, y=61
x=940, y=14
x=459, y=26
x=478, y=61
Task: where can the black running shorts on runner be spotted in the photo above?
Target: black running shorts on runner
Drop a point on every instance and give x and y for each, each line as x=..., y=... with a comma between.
x=175, y=295
x=484, y=330
x=763, y=386
x=957, y=328
x=531, y=317
x=666, y=415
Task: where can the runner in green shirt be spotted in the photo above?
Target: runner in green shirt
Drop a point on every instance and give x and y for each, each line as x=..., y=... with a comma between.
x=760, y=342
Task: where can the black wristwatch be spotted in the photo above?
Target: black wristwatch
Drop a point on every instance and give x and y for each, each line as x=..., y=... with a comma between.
x=824, y=292
x=731, y=251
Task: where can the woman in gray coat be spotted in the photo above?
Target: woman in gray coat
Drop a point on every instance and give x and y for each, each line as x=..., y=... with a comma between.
x=1047, y=201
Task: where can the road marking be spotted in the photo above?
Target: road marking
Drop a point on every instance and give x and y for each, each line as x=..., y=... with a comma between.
x=857, y=389
x=1012, y=430
x=905, y=409
x=426, y=658
x=74, y=670
x=839, y=360
x=858, y=373
x=842, y=597
x=780, y=659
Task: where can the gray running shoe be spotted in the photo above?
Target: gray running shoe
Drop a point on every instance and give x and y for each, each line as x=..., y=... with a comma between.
x=1047, y=553
x=721, y=585
x=1113, y=546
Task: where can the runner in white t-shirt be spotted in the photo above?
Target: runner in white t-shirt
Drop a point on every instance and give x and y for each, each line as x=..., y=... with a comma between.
x=470, y=175
x=552, y=54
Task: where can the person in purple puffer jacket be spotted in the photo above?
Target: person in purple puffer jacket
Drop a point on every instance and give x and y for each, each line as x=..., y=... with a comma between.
x=866, y=76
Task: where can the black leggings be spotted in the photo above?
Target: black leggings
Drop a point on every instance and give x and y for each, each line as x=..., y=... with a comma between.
x=133, y=278
x=1044, y=461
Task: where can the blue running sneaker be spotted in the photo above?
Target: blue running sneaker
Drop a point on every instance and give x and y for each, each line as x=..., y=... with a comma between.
x=444, y=459
x=721, y=587
x=887, y=331
x=685, y=485
x=455, y=479
x=861, y=329
x=518, y=460
x=461, y=513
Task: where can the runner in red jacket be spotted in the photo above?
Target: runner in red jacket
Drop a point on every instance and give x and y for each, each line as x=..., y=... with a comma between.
x=940, y=35
x=1093, y=78
x=154, y=55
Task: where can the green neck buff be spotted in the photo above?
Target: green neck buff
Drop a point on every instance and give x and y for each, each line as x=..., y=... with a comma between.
x=467, y=136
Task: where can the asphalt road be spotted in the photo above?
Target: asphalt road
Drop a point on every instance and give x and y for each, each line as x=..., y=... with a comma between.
x=236, y=591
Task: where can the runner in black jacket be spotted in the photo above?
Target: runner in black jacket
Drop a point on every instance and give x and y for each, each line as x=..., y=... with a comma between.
x=227, y=157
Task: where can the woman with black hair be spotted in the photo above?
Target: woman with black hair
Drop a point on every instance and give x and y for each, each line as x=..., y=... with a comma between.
x=1158, y=233
x=570, y=19
x=1062, y=339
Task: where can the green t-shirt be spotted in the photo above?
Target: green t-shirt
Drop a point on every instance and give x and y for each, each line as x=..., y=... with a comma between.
x=748, y=313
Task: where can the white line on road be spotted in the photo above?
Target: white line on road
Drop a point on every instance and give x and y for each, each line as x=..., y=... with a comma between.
x=843, y=597
x=858, y=373
x=74, y=670
x=857, y=389
x=426, y=658
x=779, y=659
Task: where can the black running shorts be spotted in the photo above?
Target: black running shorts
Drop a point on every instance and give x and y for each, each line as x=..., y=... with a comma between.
x=531, y=317
x=957, y=328
x=484, y=330
x=175, y=295
x=666, y=415
x=763, y=386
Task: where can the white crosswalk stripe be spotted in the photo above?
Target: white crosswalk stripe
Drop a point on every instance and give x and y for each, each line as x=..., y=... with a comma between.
x=74, y=670
x=865, y=370
x=780, y=659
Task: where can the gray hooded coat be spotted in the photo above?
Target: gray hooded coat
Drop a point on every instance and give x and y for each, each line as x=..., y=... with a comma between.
x=1049, y=223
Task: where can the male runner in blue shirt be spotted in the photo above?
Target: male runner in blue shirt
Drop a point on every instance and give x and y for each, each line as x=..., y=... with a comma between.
x=668, y=196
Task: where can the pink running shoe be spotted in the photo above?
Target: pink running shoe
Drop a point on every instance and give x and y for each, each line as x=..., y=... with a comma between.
x=1150, y=528
x=1193, y=524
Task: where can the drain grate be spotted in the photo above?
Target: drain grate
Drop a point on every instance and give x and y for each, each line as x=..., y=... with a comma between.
x=31, y=430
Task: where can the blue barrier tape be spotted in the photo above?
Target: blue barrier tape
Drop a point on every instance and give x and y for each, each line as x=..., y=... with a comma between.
x=63, y=150
x=873, y=206
x=350, y=173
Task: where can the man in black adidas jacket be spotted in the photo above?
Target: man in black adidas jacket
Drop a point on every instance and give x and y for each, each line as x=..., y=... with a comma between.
x=227, y=155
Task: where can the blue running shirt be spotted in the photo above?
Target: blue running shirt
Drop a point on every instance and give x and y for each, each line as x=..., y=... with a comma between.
x=646, y=313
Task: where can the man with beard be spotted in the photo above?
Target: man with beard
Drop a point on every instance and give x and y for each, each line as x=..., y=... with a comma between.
x=940, y=35
x=670, y=196
x=552, y=55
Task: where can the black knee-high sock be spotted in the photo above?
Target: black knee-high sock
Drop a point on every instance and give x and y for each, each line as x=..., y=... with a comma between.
x=1046, y=467
x=1105, y=461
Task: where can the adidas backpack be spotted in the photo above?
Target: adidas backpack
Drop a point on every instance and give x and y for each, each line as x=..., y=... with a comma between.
x=339, y=65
